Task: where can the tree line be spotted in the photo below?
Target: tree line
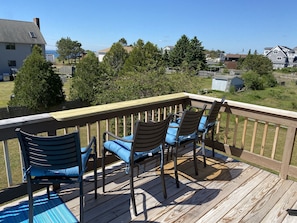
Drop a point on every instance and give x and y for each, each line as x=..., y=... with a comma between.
x=145, y=71
x=140, y=73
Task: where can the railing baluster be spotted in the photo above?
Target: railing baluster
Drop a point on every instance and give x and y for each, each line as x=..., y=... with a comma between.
x=153, y=115
x=244, y=132
x=264, y=139
x=98, y=137
x=275, y=141
x=254, y=136
x=116, y=127
x=159, y=114
x=22, y=162
x=88, y=136
x=107, y=128
x=124, y=126
x=226, y=129
x=235, y=131
x=7, y=163
x=132, y=123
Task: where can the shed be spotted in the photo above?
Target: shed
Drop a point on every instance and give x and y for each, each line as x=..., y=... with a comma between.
x=225, y=82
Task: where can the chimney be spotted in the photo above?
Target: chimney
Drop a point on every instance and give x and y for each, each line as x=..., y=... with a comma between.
x=36, y=21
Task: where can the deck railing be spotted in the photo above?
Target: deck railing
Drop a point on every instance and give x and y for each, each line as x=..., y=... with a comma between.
x=256, y=134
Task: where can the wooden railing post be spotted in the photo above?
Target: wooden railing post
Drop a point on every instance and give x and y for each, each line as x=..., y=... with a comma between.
x=288, y=150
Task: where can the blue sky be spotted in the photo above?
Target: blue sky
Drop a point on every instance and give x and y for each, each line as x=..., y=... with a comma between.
x=234, y=26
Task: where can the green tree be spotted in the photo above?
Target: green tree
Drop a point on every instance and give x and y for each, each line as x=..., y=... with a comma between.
x=253, y=81
x=178, y=53
x=143, y=58
x=137, y=85
x=76, y=51
x=214, y=53
x=165, y=58
x=188, y=55
x=269, y=80
x=123, y=42
x=68, y=49
x=88, y=80
x=257, y=63
x=114, y=60
x=36, y=85
x=195, y=56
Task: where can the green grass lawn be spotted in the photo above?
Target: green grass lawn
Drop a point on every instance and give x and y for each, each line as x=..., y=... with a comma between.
x=283, y=97
x=6, y=89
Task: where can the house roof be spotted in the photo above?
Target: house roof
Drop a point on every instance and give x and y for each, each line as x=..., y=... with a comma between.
x=236, y=56
x=225, y=77
x=127, y=48
x=12, y=31
x=281, y=49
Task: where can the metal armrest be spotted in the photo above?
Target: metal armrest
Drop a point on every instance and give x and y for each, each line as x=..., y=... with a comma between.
x=89, y=146
x=115, y=136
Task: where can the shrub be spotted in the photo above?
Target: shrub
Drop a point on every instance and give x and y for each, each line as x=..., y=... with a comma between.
x=37, y=86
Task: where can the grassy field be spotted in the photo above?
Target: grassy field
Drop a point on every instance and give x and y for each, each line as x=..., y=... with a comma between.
x=282, y=96
x=6, y=89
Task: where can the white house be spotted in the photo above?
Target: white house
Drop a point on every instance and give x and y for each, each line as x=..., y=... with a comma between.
x=281, y=56
x=167, y=48
x=225, y=82
x=101, y=53
x=17, y=39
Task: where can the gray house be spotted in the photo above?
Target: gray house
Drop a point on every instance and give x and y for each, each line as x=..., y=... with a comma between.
x=17, y=39
x=225, y=82
x=281, y=56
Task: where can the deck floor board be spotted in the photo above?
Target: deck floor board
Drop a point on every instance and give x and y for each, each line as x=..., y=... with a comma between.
x=225, y=191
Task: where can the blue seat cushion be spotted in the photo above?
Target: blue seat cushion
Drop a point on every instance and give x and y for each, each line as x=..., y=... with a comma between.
x=202, y=127
x=67, y=172
x=171, y=135
x=123, y=149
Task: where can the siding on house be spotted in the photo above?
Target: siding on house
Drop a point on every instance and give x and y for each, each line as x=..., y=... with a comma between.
x=281, y=56
x=231, y=60
x=17, y=39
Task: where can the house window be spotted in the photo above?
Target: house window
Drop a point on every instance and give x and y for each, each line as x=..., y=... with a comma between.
x=10, y=46
x=275, y=51
x=32, y=35
x=12, y=63
x=279, y=58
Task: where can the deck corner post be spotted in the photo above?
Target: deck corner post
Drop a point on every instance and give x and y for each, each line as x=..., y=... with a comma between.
x=287, y=154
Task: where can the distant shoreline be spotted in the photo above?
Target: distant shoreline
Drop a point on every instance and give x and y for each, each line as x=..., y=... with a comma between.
x=52, y=52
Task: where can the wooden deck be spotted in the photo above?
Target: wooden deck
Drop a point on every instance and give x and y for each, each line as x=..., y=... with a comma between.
x=225, y=191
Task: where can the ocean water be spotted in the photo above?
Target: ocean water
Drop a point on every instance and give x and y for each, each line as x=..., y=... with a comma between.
x=54, y=52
